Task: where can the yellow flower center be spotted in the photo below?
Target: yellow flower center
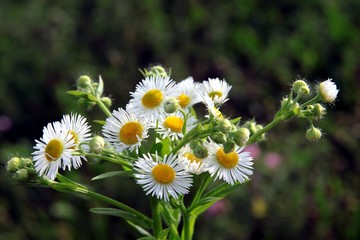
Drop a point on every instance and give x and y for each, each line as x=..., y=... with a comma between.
x=130, y=132
x=53, y=150
x=229, y=160
x=184, y=100
x=75, y=138
x=192, y=157
x=214, y=94
x=174, y=123
x=163, y=173
x=152, y=98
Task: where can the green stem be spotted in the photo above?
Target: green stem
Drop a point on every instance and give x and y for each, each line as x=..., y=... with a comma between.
x=103, y=107
x=311, y=101
x=204, y=183
x=156, y=216
x=272, y=124
x=110, y=159
x=188, y=227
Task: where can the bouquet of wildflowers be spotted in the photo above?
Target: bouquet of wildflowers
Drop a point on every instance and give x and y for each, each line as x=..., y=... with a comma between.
x=160, y=142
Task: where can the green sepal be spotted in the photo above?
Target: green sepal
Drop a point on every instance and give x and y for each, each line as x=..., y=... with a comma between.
x=122, y=214
x=100, y=87
x=112, y=174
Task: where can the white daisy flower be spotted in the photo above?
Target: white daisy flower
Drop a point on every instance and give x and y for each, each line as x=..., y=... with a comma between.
x=125, y=130
x=217, y=90
x=163, y=178
x=148, y=98
x=188, y=93
x=80, y=132
x=53, y=150
x=172, y=125
x=190, y=162
x=232, y=167
x=328, y=91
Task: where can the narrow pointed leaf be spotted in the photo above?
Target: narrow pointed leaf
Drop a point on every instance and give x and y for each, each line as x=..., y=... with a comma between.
x=112, y=174
x=100, y=87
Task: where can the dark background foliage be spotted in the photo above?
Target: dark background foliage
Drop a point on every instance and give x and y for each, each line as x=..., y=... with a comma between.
x=299, y=190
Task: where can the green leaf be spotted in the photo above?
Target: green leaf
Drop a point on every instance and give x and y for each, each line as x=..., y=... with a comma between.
x=156, y=147
x=112, y=174
x=146, y=238
x=64, y=179
x=163, y=234
x=100, y=87
x=122, y=214
x=77, y=93
x=139, y=229
x=204, y=204
x=166, y=147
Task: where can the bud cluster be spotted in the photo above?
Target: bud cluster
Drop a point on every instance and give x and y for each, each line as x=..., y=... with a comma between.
x=21, y=169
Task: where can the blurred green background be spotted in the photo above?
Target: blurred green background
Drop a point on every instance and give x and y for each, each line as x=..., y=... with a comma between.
x=299, y=190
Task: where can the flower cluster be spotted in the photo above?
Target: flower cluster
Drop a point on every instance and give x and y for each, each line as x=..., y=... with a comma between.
x=159, y=140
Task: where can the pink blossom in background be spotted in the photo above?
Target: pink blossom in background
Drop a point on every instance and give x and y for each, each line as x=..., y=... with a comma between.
x=5, y=123
x=272, y=160
x=218, y=208
x=254, y=150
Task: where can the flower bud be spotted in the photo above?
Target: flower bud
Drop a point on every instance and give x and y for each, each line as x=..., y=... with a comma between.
x=229, y=147
x=195, y=143
x=319, y=111
x=328, y=91
x=97, y=144
x=171, y=105
x=241, y=136
x=201, y=152
x=107, y=101
x=13, y=165
x=218, y=137
x=156, y=71
x=21, y=175
x=26, y=162
x=84, y=81
x=313, y=134
x=300, y=86
x=226, y=126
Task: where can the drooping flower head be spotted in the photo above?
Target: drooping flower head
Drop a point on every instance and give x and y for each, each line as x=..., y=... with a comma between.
x=53, y=150
x=125, y=130
x=149, y=96
x=172, y=125
x=328, y=91
x=217, y=90
x=162, y=177
x=232, y=167
x=80, y=132
x=188, y=93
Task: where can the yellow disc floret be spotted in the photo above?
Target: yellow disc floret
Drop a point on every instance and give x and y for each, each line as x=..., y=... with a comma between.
x=215, y=94
x=163, y=173
x=53, y=150
x=152, y=98
x=130, y=132
x=229, y=160
x=174, y=123
x=184, y=100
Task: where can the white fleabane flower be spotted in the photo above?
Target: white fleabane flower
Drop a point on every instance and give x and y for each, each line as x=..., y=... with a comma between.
x=80, y=132
x=162, y=178
x=188, y=93
x=190, y=162
x=149, y=96
x=211, y=108
x=217, y=90
x=233, y=167
x=328, y=91
x=172, y=125
x=125, y=130
x=53, y=150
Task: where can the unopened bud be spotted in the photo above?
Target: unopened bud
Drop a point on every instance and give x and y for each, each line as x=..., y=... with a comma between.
x=107, y=101
x=241, y=136
x=319, y=111
x=313, y=134
x=84, y=81
x=21, y=175
x=171, y=105
x=229, y=147
x=201, y=152
x=300, y=86
x=195, y=143
x=13, y=164
x=97, y=144
x=226, y=126
x=218, y=137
